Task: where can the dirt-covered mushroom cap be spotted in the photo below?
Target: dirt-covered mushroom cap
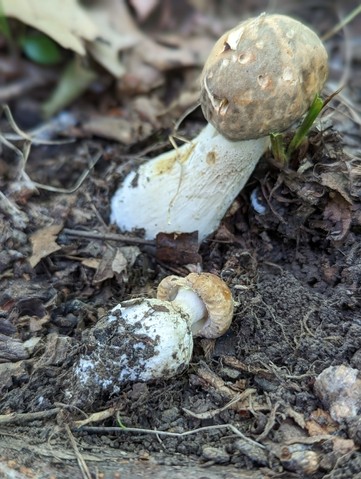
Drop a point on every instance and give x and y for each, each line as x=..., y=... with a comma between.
x=262, y=76
x=213, y=292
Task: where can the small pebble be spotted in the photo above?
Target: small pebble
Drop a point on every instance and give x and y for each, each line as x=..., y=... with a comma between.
x=170, y=415
x=339, y=389
x=218, y=456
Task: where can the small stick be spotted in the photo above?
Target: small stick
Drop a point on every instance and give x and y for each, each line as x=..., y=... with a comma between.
x=339, y=26
x=21, y=418
x=122, y=428
x=82, y=464
x=107, y=237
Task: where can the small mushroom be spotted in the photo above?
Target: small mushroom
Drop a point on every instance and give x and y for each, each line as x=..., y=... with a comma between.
x=146, y=339
x=206, y=292
x=260, y=78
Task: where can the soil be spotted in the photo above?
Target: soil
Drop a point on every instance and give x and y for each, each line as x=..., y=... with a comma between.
x=247, y=405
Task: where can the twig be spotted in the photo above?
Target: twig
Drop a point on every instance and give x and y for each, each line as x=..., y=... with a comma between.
x=96, y=417
x=15, y=418
x=18, y=217
x=32, y=76
x=248, y=368
x=356, y=11
x=13, y=124
x=188, y=111
x=310, y=440
x=52, y=127
x=107, y=237
x=78, y=183
x=270, y=422
x=24, y=155
x=81, y=462
x=238, y=398
x=111, y=430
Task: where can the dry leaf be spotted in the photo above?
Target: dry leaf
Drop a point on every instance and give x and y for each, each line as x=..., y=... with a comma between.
x=320, y=423
x=43, y=243
x=113, y=261
x=11, y=349
x=65, y=21
x=124, y=259
x=112, y=40
x=119, y=263
x=148, y=59
x=298, y=418
x=36, y=324
x=337, y=182
x=143, y=8
x=343, y=446
x=338, y=213
x=177, y=248
x=91, y=263
x=118, y=129
x=131, y=253
x=105, y=270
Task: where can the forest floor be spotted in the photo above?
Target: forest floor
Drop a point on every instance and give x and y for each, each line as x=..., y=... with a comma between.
x=246, y=407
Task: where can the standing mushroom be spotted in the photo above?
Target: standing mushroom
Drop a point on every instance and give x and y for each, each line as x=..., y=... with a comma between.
x=259, y=79
x=146, y=339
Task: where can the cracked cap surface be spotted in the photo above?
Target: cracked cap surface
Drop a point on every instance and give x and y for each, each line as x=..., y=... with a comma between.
x=262, y=76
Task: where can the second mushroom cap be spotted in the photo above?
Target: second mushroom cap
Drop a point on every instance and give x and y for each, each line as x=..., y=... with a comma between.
x=213, y=292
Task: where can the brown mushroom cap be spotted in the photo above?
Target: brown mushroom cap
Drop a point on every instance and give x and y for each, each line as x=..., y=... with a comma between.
x=262, y=76
x=215, y=295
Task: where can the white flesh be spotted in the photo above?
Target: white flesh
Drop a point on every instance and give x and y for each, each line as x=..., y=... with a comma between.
x=191, y=304
x=187, y=189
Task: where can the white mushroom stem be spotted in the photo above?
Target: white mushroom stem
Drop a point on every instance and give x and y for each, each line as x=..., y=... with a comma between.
x=204, y=297
x=189, y=188
x=192, y=306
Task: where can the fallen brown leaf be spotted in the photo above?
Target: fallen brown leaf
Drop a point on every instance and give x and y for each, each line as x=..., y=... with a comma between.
x=337, y=182
x=338, y=213
x=143, y=9
x=178, y=248
x=320, y=423
x=67, y=23
x=43, y=243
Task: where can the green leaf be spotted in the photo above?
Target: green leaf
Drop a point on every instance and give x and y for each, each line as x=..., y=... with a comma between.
x=278, y=149
x=74, y=80
x=306, y=125
x=4, y=26
x=40, y=49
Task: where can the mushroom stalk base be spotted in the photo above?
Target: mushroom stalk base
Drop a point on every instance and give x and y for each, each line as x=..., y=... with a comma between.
x=187, y=189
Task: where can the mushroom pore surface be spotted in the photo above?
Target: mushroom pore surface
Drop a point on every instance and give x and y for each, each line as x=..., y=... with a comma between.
x=262, y=76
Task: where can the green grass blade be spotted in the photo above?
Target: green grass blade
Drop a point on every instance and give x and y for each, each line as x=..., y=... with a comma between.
x=278, y=148
x=305, y=126
x=4, y=24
